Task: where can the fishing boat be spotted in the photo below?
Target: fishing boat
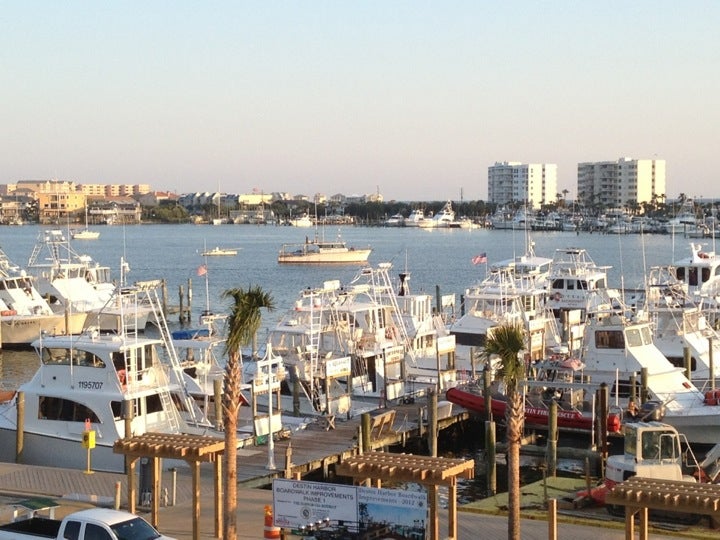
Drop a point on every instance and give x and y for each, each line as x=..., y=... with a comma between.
x=681, y=329
x=24, y=314
x=620, y=352
x=442, y=220
x=319, y=251
x=76, y=285
x=106, y=383
x=220, y=252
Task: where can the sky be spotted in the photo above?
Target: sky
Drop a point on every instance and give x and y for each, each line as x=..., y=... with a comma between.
x=411, y=99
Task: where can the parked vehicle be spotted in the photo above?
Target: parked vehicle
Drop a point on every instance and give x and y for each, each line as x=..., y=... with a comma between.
x=83, y=525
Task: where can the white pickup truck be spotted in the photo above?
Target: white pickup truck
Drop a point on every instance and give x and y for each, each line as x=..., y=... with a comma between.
x=91, y=524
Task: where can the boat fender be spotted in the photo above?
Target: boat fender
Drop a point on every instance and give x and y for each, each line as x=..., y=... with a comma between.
x=613, y=423
x=8, y=312
x=710, y=398
x=558, y=296
x=122, y=375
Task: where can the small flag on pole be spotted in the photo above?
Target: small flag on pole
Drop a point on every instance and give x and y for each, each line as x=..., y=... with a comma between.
x=480, y=259
x=202, y=270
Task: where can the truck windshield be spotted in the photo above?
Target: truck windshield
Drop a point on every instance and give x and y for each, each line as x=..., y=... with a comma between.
x=135, y=529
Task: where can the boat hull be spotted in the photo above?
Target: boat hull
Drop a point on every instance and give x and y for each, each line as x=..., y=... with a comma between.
x=536, y=416
x=18, y=330
x=351, y=256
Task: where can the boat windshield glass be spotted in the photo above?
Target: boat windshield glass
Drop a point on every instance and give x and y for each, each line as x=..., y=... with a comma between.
x=63, y=357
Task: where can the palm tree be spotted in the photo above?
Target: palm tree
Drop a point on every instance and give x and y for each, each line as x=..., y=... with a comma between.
x=242, y=325
x=506, y=342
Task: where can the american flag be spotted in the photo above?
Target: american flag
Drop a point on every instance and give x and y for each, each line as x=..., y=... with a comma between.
x=480, y=259
x=202, y=270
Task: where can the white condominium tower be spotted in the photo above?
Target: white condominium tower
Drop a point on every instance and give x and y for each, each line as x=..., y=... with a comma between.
x=616, y=183
x=533, y=184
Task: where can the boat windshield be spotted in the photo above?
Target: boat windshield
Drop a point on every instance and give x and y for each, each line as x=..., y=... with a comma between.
x=64, y=357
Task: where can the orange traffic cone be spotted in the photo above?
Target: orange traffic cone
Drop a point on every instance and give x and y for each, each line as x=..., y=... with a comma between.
x=270, y=530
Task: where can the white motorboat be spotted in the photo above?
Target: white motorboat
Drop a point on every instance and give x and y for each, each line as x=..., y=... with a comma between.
x=302, y=221
x=679, y=325
x=442, y=220
x=319, y=251
x=617, y=351
x=396, y=220
x=79, y=286
x=416, y=218
x=700, y=272
x=502, y=298
x=89, y=382
x=24, y=314
x=220, y=252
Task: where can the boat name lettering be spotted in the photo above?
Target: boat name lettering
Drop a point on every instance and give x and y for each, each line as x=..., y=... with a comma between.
x=90, y=385
x=534, y=411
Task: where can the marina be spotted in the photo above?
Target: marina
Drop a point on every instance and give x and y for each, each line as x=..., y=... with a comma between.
x=393, y=418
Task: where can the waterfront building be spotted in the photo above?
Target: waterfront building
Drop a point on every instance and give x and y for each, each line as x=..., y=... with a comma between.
x=617, y=183
x=533, y=184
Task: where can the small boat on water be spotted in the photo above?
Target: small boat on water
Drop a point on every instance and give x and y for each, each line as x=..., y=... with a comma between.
x=221, y=252
x=85, y=234
x=323, y=252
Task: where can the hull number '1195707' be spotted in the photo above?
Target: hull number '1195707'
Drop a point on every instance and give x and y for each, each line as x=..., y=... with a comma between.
x=90, y=385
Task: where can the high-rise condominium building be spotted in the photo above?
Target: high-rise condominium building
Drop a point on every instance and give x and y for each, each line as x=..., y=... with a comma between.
x=533, y=184
x=617, y=183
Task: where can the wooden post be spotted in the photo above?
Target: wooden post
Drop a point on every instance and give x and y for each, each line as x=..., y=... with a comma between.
x=552, y=439
x=164, y=297
x=687, y=360
x=365, y=423
x=195, y=465
x=189, y=298
x=155, y=511
x=132, y=484
x=644, y=393
x=434, y=525
x=20, y=430
x=218, y=497
x=432, y=423
x=490, y=453
x=487, y=394
x=288, y=461
x=217, y=395
x=296, y=393
x=552, y=519
x=711, y=361
x=472, y=362
x=452, y=508
x=181, y=295
x=603, y=411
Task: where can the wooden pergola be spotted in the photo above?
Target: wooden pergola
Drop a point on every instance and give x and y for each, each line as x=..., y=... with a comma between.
x=432, y=472
x=638, y=495
x=194, y=449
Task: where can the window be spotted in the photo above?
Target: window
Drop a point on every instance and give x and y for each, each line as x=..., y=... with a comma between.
x=72, y=530
x=56, y=408
x=96, y=532
x=609, y=339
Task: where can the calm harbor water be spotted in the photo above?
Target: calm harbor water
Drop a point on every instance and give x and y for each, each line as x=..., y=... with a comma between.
x=435, y=258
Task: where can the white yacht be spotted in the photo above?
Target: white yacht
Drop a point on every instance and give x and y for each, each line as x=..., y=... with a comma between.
x=617, y=351
x=416, y=217
x=24, y=314
x=442, y=220
x=76, y=285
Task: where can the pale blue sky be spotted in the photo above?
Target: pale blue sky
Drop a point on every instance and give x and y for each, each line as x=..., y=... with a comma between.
x=413, y=98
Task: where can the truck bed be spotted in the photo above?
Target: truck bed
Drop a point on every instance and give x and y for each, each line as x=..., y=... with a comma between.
x=34, y=527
